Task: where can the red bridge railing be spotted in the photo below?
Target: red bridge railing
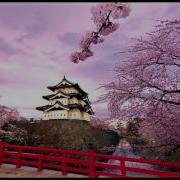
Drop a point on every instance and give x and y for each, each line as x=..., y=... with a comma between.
x=90, y=163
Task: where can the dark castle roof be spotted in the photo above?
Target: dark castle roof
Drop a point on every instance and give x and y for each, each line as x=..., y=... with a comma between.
x=42, y=108
x=86, y=108
x=78, y=95
x=82, y=95
x=67, y=84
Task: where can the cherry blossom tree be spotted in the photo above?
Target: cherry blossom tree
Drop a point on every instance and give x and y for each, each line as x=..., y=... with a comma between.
x=7, y=114
x=148, y=85
x=101, y=15
x=24, y=135
x=100, y=123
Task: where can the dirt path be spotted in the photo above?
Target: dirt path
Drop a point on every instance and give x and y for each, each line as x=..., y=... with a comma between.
x=8, y=170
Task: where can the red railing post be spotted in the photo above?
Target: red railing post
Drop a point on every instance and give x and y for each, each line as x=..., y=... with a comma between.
x=64, y=165
x=39, y=163
x=1, y=153
x=122, y=167
x=18, y=163
x=92, y=161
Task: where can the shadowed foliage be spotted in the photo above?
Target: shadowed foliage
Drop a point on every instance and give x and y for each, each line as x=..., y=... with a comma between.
x=66, y=134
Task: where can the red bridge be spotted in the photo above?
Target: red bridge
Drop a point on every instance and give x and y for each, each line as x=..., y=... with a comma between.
x=89, y=163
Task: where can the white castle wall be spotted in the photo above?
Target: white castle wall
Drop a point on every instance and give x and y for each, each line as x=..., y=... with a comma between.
x=59, y=114
x=67, y=114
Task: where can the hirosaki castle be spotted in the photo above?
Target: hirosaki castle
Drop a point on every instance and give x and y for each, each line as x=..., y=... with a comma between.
x=68, y=101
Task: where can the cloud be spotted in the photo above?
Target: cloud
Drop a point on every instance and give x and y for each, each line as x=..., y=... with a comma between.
x=34, y=30
x=173, y=9
x=70, y=38
x=7, y=49
x=21, y=15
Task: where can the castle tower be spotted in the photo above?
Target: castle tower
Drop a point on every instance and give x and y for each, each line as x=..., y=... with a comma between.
x=68, y=101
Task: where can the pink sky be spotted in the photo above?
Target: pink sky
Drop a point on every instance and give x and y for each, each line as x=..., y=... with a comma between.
x=36, y=40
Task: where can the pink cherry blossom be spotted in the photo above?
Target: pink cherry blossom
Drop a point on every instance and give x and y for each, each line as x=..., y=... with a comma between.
x=87, y=40
x=109, y=29
x=121, y=11
x=81, y=56
x=101, y=14
x=87, y=53
x=99, y=40
x=75, y=57
x=100, y=123
x=7, y=113
x=90, y=37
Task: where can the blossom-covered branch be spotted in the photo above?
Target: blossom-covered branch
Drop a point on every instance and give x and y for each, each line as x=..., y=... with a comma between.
x=101, y=17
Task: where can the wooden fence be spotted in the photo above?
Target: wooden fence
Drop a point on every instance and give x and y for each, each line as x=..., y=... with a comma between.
x=88, y=163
